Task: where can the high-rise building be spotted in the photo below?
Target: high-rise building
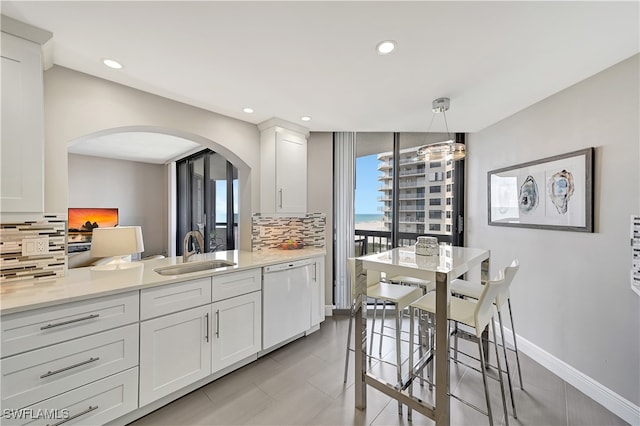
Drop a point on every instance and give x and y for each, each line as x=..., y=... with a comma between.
x=425, y=193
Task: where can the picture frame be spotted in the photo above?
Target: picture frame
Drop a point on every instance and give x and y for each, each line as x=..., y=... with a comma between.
x=80, y=224
x=550, y=193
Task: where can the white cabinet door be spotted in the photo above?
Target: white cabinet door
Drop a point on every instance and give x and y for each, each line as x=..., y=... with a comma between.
x=175, y=351
x=22, y=147
x=283, y=168
x=317, y=293
x=291, y=173
x=236, y=329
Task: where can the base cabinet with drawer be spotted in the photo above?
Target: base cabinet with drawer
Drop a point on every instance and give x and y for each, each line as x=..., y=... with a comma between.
x=108, y=359
x=72, y=363
x=184, y=337
x=94, y=404
x=43, y=373
x=175, y=343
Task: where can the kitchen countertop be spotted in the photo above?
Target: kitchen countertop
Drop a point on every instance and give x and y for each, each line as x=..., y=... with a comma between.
x=85, y=283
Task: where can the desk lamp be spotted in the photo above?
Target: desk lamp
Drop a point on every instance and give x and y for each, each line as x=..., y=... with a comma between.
x=120, y=243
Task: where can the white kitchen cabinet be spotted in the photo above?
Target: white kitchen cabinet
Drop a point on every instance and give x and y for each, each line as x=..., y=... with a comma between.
x=317, y=292
x=46, y=372
x=283, y=168
x=78, y=360
x=96, y=403
x=24, y=331
x=237, y=332
x=175, y=351
x=22, y=147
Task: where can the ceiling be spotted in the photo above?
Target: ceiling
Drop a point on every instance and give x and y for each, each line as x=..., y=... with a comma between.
x=318, y=59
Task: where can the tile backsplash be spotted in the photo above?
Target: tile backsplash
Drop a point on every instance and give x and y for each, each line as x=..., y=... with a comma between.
x=15, y=229
x=267, y=231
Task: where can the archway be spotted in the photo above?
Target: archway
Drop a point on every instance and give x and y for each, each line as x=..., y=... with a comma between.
x=133, y=184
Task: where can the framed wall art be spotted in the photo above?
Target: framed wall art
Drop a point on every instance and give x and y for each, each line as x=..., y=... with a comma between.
x=551, y=193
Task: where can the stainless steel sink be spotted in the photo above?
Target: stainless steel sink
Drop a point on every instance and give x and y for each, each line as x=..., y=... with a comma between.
x=185, y=268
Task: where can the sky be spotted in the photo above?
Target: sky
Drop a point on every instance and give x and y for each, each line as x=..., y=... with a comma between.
x=366, y=198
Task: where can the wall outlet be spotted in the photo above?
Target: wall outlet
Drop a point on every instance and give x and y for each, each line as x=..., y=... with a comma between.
x=35, y=246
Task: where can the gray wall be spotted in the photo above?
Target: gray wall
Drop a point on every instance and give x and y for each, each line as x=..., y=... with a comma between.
x=572, y=296
x=78, y=104
x=137, y=189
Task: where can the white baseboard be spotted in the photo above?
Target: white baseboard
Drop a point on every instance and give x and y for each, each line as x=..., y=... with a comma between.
x=328, y=310
x=618, y=405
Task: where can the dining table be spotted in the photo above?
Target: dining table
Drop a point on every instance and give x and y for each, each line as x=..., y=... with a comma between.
x=450, y=263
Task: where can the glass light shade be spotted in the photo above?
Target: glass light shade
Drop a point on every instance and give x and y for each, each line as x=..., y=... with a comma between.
x=117, y=241
x=442, y=150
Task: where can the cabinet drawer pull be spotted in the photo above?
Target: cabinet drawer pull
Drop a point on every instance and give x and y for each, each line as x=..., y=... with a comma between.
x=218, y=324
x=75, y=416
x=46, y=327
x=206, y=316
x=51, y=373
x=280, y=197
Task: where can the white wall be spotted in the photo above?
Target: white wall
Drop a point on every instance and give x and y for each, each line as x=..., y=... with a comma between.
x=572, y=296
x=137, y=189
x=77, y=104
x=320, y=194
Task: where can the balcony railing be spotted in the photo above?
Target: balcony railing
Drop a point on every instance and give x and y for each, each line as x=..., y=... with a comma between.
x=368, y=242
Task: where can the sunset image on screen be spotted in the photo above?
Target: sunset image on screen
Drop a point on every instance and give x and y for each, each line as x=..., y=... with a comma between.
x=84, y=220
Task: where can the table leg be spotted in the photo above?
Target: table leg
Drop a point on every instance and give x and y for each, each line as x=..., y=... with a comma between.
x=484, y=277
x=360, y=337
x=442, y=349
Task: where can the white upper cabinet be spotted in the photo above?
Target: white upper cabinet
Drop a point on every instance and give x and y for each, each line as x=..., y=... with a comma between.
x=22, y=143
x=283, y=167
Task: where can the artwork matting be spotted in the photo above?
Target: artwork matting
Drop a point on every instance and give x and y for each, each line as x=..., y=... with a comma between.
x=550, y=193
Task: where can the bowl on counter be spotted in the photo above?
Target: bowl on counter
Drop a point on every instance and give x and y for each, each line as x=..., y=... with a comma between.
x=291, y=245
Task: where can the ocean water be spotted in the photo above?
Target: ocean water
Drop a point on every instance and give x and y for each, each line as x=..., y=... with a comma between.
x=363, y=218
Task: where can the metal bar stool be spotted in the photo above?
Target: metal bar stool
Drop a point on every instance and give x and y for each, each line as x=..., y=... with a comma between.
x=475, y=314
x=473, y=290
x=400, y=295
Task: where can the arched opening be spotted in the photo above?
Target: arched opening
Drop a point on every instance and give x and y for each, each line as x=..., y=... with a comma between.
x=133, y=169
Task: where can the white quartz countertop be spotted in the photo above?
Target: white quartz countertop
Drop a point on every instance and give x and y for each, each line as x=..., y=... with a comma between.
x=85, y=283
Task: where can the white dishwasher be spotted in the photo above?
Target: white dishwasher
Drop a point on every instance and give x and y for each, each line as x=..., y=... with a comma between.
x=286, y=300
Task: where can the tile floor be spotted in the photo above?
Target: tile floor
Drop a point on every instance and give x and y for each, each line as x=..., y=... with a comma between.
x=302, y=384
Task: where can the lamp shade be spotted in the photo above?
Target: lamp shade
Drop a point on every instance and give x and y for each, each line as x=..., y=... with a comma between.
x=117, y=241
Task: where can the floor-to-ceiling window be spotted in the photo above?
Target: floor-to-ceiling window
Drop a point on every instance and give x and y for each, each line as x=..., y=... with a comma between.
x=400, y=195
x=207, y=194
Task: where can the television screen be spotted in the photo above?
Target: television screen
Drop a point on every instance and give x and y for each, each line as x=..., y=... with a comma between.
x=82, y=221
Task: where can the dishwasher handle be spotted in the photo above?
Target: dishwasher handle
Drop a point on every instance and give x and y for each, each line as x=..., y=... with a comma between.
x=288, y=265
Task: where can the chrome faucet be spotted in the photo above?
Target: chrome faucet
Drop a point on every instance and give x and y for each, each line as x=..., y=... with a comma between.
x=199, y=240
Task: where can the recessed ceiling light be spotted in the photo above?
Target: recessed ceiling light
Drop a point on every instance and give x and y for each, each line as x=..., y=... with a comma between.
x=112, y=64
x=385, y=47
x=305, y=118
x=248, y=110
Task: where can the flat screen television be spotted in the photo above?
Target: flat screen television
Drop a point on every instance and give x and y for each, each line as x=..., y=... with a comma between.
x=82, y=221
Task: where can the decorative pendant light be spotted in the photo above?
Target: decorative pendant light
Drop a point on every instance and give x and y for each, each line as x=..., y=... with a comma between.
x=449, y=149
